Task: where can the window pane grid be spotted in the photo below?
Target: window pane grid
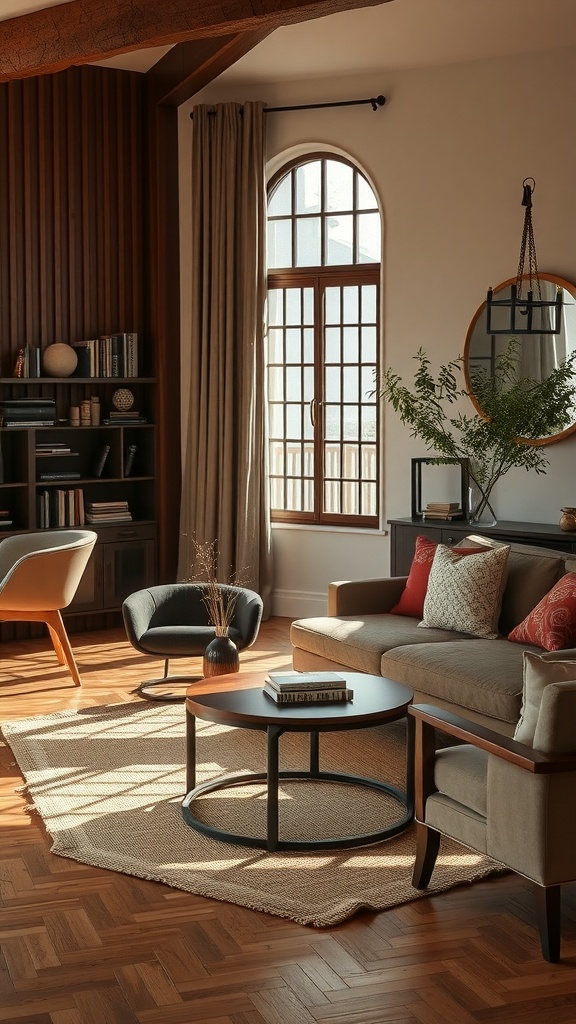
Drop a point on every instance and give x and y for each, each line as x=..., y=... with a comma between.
x=327, y=470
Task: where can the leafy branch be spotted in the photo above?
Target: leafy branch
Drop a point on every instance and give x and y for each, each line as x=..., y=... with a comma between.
x=518, y=411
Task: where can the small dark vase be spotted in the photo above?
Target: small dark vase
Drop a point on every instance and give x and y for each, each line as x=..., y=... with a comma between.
x=221, y=657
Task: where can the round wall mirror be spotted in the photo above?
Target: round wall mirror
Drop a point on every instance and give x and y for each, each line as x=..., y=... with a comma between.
x=538, y=353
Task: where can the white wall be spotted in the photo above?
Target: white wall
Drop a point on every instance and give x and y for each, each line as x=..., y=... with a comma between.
x=447, y=156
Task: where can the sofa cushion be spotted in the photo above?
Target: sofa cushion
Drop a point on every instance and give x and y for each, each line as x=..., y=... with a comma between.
x=532, y=571
x=460, y=772
x=359, y=642
x=483, y=675
x=412, y=598
x=538, y=671
x=465, y=594
x=552, y=623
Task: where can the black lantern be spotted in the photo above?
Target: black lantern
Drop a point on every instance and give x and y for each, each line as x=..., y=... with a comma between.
x=525, y=313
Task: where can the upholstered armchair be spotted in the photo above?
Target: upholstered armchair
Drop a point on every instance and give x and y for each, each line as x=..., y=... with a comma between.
x=39, y=575
x=171, y=621
x=512, y=801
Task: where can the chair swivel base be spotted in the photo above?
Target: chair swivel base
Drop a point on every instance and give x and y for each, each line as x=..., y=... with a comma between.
x=146, y=689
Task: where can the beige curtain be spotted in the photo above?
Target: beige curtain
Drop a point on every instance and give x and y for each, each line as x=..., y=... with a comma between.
x=224, y=492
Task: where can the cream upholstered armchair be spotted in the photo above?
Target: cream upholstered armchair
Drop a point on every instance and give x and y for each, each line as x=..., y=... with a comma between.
x=39, y=575
x=509, y=800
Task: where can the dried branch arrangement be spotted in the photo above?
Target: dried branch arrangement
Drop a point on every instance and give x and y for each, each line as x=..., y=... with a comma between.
x=219, y=597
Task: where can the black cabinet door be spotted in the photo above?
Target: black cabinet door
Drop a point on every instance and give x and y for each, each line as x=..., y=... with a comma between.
x=128, y=566
x=88, y=597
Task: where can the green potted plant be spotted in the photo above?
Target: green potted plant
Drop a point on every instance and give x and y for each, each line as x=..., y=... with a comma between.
x=517, y=412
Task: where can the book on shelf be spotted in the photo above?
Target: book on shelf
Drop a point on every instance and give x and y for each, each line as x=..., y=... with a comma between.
x=27, y=412
x=129, y=459
x=444, y=516
x=24, y=424
x=131, y=354
x=101, y=460
x=62, y=475
x=116, y=420
x=86, y=353
x=98, y=505
x=92, y=520
x=25, y=403
x=442, y=506
x=298, y=681
x=339, y=696
x=52, y=448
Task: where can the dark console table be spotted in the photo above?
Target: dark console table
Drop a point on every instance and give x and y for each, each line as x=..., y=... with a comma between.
x=403, y=533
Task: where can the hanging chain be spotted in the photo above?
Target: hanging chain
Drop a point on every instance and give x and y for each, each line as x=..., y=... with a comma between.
x=528, y=243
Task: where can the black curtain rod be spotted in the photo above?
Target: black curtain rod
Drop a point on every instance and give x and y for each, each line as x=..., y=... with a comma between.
x=374, y=101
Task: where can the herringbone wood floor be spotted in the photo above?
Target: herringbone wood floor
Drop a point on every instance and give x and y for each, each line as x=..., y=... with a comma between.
x=86, y=946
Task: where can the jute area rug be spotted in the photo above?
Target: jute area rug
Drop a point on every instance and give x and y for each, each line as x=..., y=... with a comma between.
x=108, y=783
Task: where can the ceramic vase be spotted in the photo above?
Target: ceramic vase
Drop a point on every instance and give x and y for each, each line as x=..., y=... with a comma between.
x=221, y=657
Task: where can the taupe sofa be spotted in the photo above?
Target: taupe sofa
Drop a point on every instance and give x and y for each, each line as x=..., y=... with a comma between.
x=481, y=679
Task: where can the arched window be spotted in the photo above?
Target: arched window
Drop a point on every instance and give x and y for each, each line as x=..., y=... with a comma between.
x=324, y=246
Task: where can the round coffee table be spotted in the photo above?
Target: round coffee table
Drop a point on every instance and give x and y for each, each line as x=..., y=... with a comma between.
x=376, y=701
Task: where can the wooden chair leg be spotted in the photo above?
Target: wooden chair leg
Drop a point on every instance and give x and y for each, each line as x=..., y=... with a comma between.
x=427, y=846
x=56, y=626
x=57, y=645
x=548, y=916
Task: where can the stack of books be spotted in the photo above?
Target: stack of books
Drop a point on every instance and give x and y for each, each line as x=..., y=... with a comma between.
x=5, y=519
x=307, y=688
x=50, y=451
x=443, y=510
x=108, y=512
x=124, y=416
x=27, y=412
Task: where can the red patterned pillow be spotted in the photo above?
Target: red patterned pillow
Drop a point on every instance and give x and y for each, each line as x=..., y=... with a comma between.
x=412, y=598
x=552, y=623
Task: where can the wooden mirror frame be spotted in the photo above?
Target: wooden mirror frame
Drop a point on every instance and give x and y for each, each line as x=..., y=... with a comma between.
x=566, y=286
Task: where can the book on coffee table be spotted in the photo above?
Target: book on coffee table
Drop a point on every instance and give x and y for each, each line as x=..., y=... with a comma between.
x=315, y=696
x=297, y=681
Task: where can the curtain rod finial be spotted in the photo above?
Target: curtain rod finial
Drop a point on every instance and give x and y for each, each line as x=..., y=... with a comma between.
x=377, y=101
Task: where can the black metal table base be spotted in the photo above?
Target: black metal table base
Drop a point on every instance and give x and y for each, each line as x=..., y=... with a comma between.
x=146, y=690
x=272, y=778
x=271, y=841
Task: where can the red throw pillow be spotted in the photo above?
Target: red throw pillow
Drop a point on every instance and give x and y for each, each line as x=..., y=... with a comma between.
x=412, y=598
x=552, y=623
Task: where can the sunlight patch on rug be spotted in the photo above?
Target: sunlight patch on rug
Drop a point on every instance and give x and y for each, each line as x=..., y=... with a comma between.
x=108, y=783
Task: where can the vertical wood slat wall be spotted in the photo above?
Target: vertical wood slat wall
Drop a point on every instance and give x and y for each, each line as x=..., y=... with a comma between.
x=71, y=209
x=72, y=221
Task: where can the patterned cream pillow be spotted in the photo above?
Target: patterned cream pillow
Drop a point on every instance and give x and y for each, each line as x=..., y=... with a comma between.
x=465, y=594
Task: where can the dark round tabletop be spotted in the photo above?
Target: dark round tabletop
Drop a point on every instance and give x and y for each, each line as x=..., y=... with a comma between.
x=246, y=706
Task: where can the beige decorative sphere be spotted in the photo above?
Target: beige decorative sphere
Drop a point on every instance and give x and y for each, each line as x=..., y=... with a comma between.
x=122, y=399
x=59, y=360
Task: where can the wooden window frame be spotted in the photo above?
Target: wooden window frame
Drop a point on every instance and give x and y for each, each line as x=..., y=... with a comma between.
x=318, y=278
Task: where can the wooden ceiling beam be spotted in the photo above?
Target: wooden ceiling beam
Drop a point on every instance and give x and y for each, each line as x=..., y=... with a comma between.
x=85, y=31
x=191, y=66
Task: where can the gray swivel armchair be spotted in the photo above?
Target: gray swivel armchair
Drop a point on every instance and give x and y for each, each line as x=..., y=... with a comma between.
x=171, y=621
x=509, y=800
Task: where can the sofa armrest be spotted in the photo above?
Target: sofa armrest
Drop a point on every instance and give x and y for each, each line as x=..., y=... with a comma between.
x=364, y=597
